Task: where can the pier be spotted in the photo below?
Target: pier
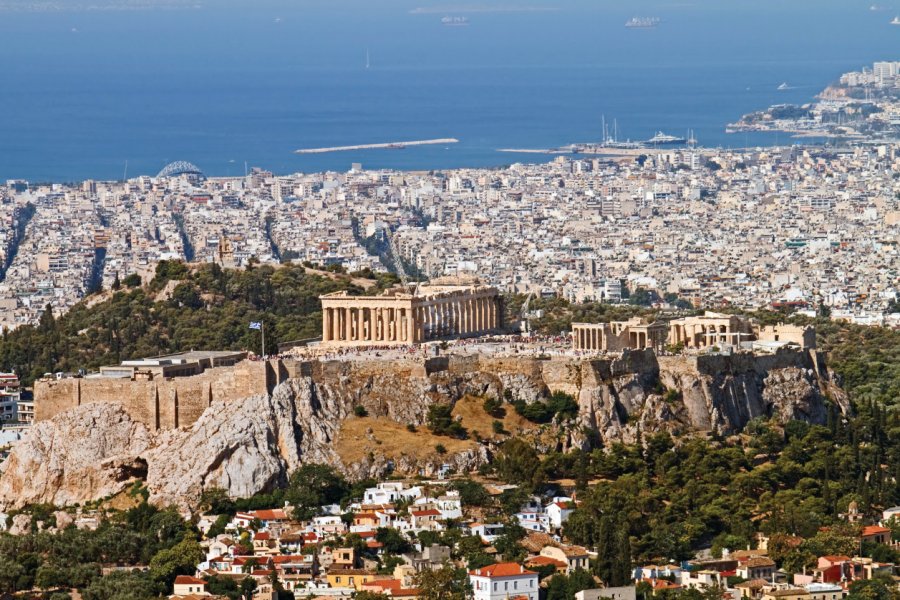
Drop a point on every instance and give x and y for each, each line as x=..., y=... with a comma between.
x=388, y=145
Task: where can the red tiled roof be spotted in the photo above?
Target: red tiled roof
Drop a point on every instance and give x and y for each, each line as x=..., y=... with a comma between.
x=269, y=515
x=835, y=558
x=426, y=513
x=545, y=560
x=874, y=530
x=188, y=580
x=502, y=570
x=287, y=558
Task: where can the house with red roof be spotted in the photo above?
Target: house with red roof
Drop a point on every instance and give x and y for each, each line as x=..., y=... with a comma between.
x=875, y=533
x=558, y=511
x=186, y=585
x=502, y=581
x=429, y=519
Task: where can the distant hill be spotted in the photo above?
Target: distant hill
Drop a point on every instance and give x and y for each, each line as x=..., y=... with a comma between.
x=182, y=308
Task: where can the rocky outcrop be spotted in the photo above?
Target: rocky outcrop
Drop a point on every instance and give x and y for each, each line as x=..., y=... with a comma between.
x=82, y=455
x=251, y=445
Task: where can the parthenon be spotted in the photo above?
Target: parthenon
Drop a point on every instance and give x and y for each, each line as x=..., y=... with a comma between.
x=400, y=317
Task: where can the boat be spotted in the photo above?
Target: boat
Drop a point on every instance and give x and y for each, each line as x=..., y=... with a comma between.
x=895, y=20
x=783, y=86
x=455, y=21
x=662, y=138
x=692, y=139
x=642, y=22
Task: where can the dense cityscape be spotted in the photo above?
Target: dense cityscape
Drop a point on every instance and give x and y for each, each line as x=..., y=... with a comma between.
x=631, y=370
x=800, y=226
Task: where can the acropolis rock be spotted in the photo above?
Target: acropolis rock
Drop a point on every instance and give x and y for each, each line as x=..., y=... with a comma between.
x=251, y=445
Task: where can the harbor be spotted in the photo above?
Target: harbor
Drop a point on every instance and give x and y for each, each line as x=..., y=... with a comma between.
x=385, y=146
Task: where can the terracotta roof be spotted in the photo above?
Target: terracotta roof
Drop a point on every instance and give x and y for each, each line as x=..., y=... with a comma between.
x=287, y=558
x=574, y=550
x=759, y=561
x=874, y=530
x=426, y=513
x=188, y=580
x=545, y=560
x=502, y=570
x=269, y=515
x=788, y=592
x=753, y=584
x=836, y=558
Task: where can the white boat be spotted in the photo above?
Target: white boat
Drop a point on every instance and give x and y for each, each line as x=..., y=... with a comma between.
x=783, y=86
x=662, y=138
x=895, y=20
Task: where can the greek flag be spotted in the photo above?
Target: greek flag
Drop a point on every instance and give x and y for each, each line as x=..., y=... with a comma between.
x=255, y=325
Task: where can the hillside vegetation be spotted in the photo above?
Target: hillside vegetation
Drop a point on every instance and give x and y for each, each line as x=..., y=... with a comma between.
x=206, y=307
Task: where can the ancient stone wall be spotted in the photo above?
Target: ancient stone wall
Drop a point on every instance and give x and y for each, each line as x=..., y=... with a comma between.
x=161, y=403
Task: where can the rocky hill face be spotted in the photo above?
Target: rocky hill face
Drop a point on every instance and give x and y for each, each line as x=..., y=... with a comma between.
x=244, y=447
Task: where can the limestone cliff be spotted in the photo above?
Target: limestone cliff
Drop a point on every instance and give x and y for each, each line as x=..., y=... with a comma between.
x=250, y=445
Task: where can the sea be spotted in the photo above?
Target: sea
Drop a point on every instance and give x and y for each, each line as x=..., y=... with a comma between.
x=102, y=90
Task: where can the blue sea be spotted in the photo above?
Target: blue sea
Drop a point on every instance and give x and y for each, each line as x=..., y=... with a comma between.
x=224, y=83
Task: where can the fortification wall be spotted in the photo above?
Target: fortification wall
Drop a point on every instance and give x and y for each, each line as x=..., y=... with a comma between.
x=161, y=403
x=711, y=385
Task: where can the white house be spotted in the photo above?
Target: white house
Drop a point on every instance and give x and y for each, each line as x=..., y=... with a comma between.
x=504, y=581
x=534, y=521
x=488, y=532
x=890, y=513
x=386, y=492
x=189, y=586
x=559, y=511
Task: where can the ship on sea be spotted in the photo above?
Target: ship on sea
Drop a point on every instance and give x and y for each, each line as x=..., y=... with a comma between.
x=784, y=86
x=642, y=22
x=662, y=138
x=455, y=21
x=895, y=21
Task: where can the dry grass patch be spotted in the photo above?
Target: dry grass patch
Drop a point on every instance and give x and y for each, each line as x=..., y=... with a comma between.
x=474, y=418
x=360, y=436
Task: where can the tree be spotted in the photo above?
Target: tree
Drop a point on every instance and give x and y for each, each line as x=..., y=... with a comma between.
x=248, y=586
x=516, y=462
x=471, y=493
x=121, y=585
x=441, y=422
x=872, y=589
x=132, y=281
x=392, y=540
x=446, y=583
x=10, y=574
x=180, y=559
x=312, y=486
x=169, y=270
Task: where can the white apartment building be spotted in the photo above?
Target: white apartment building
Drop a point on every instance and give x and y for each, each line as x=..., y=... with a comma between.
x=504, y=581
